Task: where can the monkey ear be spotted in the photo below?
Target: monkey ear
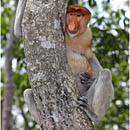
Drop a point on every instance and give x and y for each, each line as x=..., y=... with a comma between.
x=88, y=16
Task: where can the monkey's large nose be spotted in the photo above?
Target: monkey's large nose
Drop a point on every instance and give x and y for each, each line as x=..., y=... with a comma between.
x=72, y=28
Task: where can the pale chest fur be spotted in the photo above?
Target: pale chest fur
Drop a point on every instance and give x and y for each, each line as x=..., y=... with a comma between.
x=77, y=61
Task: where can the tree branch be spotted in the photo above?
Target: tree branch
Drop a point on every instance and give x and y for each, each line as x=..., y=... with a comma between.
x=8, y=79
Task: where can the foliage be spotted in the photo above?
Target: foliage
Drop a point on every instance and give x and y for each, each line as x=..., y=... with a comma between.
x=110, y=45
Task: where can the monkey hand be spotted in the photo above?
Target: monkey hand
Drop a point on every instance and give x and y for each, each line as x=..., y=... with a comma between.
x=84, y=80
x=29, y=100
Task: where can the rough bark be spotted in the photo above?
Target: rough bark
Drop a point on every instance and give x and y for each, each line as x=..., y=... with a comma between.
x=54, y=88
x=7, y=120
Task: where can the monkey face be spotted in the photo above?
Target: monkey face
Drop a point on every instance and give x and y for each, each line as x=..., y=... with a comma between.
x=76, y=19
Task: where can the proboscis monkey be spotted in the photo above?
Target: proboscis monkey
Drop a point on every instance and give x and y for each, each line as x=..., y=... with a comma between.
x=96, y=99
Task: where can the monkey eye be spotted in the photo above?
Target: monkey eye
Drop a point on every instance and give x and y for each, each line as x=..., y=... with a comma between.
x=71, y=14
x=83, y=14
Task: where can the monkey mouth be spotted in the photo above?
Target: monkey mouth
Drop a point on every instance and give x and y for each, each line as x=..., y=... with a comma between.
x=72, y=31
x=71, y=35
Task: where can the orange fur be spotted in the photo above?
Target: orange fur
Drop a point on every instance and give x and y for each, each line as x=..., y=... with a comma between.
x=78, y=39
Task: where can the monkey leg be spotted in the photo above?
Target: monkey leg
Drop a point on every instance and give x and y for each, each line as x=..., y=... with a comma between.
x=103, y=94
x=18, y=18
x=98, y=97
x=29, y=99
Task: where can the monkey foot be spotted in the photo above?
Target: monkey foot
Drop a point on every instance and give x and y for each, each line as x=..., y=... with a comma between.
x=83, y=101
x=85, y=107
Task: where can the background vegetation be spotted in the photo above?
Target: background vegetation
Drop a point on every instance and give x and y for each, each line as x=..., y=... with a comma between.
x=110, y=27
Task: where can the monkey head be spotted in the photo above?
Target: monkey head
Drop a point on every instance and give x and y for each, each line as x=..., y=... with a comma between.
x=77, y=18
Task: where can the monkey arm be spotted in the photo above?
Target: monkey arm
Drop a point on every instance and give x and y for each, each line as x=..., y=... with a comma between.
x=95, y=65
x=19, y=17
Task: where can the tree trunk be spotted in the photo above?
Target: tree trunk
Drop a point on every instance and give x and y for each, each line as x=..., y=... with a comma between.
x=8, y=79
x=54, y=89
